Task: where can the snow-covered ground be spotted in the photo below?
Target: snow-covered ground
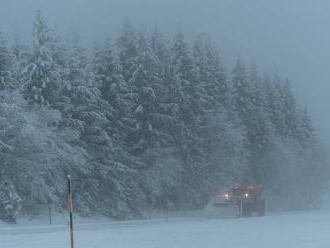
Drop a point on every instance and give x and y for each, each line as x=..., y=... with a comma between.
x=285, y=230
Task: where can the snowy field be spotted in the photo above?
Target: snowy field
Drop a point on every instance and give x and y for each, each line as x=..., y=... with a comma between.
x=303, y=229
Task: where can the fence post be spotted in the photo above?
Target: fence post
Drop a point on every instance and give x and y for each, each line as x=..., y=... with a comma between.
x=71, y=210
x=50, y=213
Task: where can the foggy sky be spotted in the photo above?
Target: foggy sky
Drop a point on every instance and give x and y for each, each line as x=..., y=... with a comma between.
x=289, y=36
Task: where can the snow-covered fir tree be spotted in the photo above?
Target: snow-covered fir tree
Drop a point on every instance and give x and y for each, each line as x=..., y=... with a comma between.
x=42, y=76
x=7, y=62
x=144, y=124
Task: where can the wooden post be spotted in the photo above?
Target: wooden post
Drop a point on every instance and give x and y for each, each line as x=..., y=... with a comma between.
x=71, y=210
x=50, y=213
x=167, y=210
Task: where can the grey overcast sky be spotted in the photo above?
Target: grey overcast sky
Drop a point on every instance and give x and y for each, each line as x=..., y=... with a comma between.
x=289, y=36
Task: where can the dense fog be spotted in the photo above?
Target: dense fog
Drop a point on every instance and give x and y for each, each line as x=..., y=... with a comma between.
x=288, y=36
x=156, y=107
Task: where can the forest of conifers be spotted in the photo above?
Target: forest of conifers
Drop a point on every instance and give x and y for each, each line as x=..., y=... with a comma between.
x=146, y=122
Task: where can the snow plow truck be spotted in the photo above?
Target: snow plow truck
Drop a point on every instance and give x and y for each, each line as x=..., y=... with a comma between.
x=247, y=199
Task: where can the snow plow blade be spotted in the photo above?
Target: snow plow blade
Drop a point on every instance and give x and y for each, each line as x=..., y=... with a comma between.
x=223, y=204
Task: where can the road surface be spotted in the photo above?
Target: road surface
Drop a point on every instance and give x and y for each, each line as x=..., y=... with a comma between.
x=286, y=230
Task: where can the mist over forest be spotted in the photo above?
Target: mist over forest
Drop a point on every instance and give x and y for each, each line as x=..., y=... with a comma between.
x=146, y=122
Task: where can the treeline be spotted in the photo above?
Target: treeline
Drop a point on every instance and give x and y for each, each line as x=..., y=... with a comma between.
x=142, y=123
